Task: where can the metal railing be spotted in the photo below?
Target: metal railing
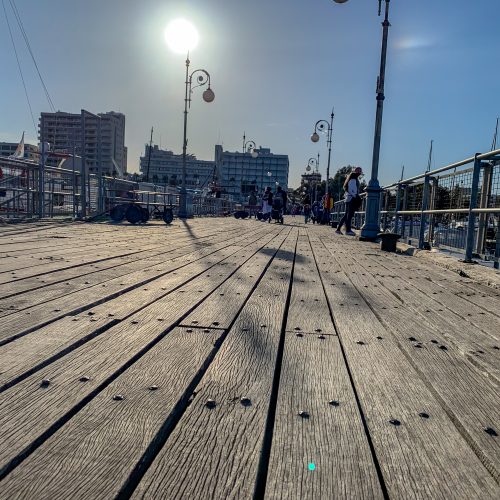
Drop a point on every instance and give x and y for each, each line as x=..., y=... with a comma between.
x=28, y=192
x=455, y=207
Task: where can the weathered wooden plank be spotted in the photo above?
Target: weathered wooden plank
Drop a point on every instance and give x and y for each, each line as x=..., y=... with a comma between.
x=419, y=457
x=32, y=351
x=327, y=454
x=460, y=333
x=32, y=283
x=23, y=322
x=65, y=285
x=471, y=401
x=215, y=452
x=74, y=262
x=29, y=412
x=170, y=365
x=96, y=451
x=450, y=300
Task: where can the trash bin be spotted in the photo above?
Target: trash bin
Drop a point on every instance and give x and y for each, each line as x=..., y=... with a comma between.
x=388, y=241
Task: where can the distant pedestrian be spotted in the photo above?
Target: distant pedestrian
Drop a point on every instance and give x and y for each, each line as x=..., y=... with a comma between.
x=252, y=204
x=284, y=197
x=352, y=201
x=267, y=203
x=307, y=208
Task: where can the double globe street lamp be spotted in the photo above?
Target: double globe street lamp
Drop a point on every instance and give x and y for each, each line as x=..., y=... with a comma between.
x=371, y=226
x=181, y=36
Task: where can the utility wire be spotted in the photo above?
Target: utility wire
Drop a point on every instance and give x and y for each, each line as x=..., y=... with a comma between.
x=25, y=36
x=19, y=66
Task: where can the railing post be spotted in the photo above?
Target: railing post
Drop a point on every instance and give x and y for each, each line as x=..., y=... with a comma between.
x=396, y=211
x=432, y=206
x=483, y=203
x=469, y=245
x=496, y=264
x=386, y=195
x=405, y=205
x=423, y=217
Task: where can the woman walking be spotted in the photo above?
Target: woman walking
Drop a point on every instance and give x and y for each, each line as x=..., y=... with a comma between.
x=352, y=201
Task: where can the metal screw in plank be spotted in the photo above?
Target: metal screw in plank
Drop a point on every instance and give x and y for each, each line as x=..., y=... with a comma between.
x=321, y=337
x=360, y=342
x=443, y=347
x=45, y=382
x=379, y=337
x=210, y=403
x=303, y=414
x=134, y=322
x=434, y=341
x=118, y=397
x=91, y=313
x=263, y=326
x=423, y=415
x=413, y=339
x=84, y=378
x=298, y=334
x=245, y=401
x=153, y=387
x=395, y=422
x=333, y=402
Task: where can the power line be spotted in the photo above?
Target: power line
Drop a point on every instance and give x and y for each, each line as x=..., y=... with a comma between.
x=25, y=36
x=19, y=66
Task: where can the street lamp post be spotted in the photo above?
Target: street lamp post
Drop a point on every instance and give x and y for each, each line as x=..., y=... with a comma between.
x=313, y=162
x=248, y=147
x=202, y=79
x=322, y=126
x=371, y=226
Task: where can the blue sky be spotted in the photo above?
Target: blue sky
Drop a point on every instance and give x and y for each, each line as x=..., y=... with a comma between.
x=277, y=66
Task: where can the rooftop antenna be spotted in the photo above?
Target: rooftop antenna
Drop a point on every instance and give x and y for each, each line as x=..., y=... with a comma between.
x=402, y=172
x=149, y=155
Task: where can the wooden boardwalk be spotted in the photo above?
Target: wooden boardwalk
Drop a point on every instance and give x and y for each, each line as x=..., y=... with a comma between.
x=236, y=359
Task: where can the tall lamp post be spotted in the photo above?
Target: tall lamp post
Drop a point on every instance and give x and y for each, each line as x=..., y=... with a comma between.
x=202, y=79
x=325, y=126
x=313, y=162
x=248, y=147
x=371, y=226
x=181, y=36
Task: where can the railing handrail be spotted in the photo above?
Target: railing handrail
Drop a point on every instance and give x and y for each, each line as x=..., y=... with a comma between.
x=482, y=156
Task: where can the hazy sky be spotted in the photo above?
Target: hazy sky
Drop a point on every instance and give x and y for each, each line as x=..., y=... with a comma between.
x=277, y=66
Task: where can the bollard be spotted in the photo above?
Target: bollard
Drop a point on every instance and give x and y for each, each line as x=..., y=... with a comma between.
x=388, y=241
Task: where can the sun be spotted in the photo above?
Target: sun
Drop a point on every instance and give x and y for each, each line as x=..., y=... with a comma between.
x=181, y=36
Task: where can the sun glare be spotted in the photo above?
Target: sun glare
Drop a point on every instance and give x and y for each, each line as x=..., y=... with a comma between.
x=181, y=36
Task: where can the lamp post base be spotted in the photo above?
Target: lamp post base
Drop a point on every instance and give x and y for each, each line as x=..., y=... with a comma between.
x=371, y=227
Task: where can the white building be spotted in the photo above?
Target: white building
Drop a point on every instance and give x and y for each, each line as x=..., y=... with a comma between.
x=103, y=134
x=165, y=167
x=241, y=173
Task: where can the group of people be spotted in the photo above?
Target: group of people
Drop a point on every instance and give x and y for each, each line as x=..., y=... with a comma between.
x=268, y=197
x=352, y=202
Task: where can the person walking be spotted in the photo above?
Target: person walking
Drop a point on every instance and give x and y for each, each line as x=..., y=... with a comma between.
x=267, y=204
x=284, y=197
x=352, y=201
x=307, y=208
x=252, y=204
